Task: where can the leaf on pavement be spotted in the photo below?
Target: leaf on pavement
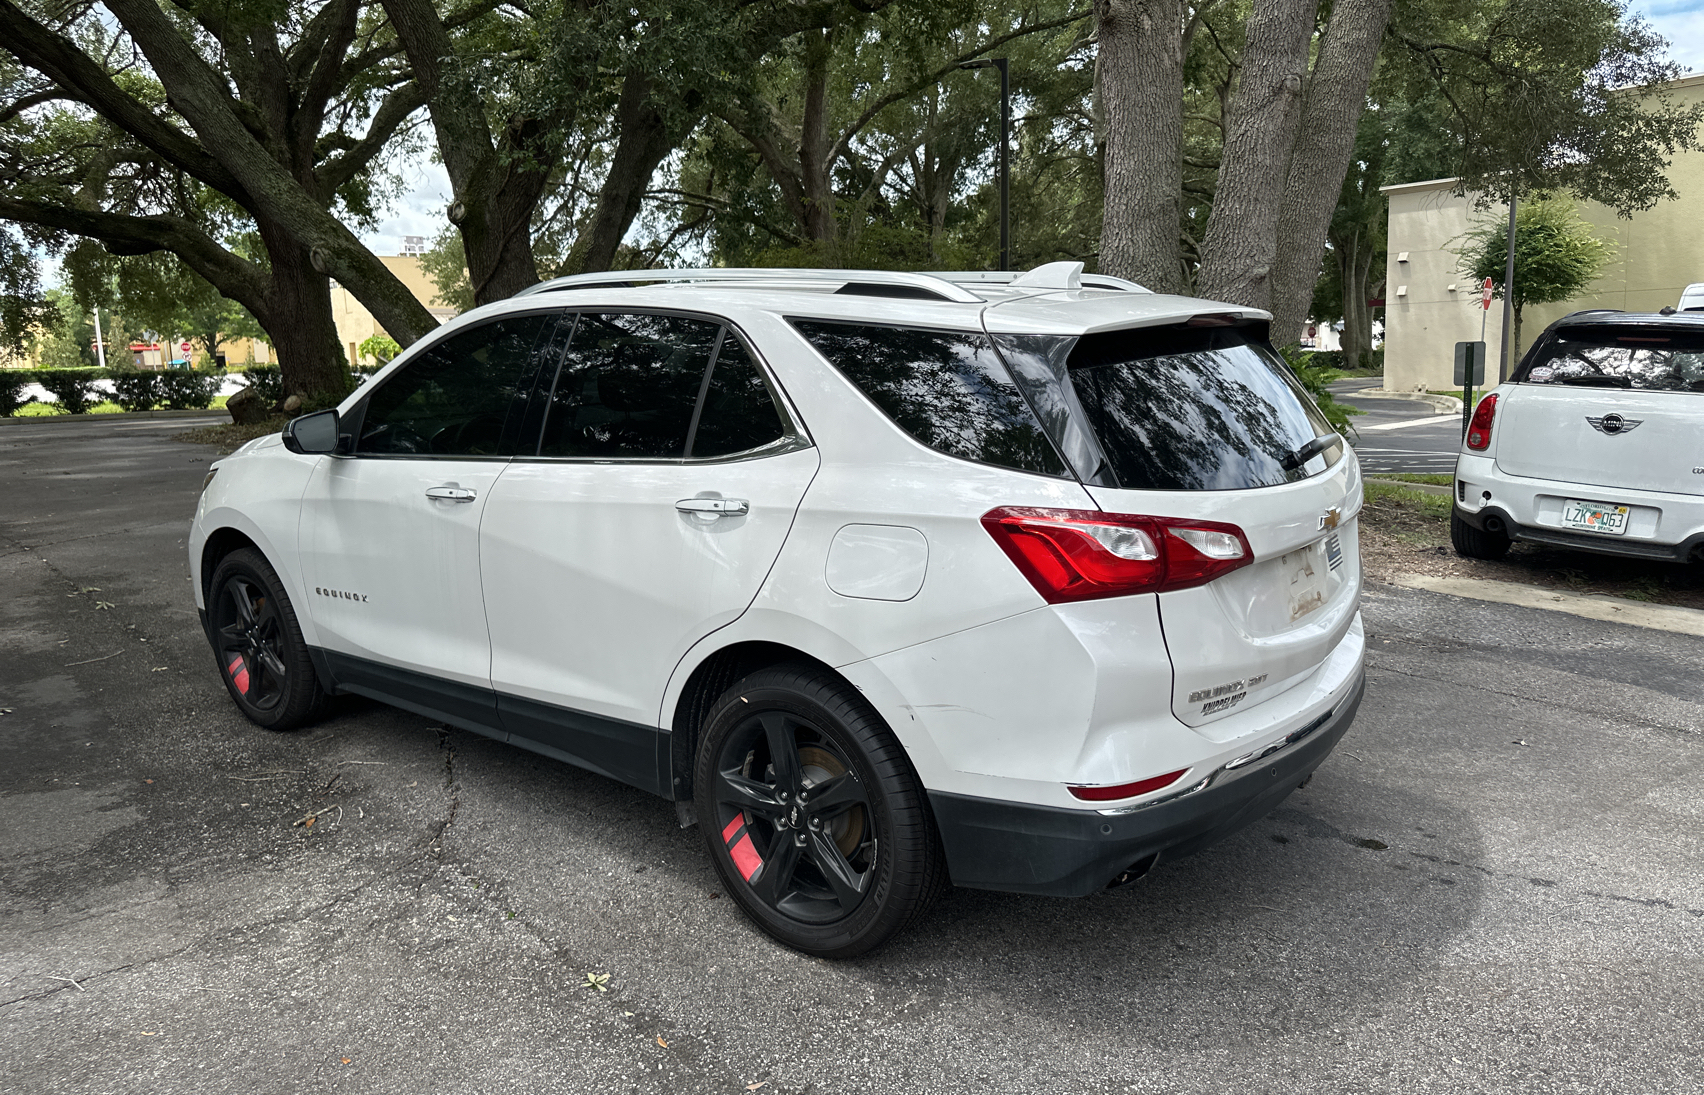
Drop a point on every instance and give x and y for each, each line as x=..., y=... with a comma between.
x=599, y=981
x=662, y=1043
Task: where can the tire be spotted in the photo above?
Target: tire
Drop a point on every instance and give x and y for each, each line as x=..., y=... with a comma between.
x=833, y=851
x=1476, y=543
x=258, y=644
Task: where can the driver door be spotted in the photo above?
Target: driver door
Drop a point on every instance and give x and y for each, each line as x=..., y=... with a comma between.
x=390, y=534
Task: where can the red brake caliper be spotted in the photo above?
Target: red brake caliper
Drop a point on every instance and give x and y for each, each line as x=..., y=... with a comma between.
x=740, y=848
x=239, y=674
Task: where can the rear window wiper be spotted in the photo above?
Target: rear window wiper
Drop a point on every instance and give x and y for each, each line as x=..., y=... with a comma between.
x=1596, y=381
x=1309, y=451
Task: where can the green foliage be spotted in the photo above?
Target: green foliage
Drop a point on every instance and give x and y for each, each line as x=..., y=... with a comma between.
x=135, y=390
x=185, y=389
x=1556, y=255
x=73, y=389
x=267, y=382
x=1315, y=376
x=381, y=348
x=1539, y=96
x=12, y=385
x=158, y=293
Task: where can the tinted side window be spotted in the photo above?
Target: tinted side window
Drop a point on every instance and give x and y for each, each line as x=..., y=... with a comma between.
x=739, y=410
x=627, y=387
x=454, y=398
x=945, y=388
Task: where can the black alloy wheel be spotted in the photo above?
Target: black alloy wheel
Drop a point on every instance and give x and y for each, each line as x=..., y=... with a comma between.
x=812, y=813
x=258, y=643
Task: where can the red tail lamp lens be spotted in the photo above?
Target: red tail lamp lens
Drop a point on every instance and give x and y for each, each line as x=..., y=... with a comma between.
x=1082, y=555
x=1126, y=790
x=1479, y=430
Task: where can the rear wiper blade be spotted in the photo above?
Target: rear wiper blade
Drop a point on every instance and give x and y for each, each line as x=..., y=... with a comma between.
x=1309, y=451
x=1596, y=381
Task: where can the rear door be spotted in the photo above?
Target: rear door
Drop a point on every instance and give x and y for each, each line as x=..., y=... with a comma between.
x=1612, y=407
x=646, y=516
x=1206, y=423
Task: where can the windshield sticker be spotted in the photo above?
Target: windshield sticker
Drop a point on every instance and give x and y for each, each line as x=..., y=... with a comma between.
x=1543, y=372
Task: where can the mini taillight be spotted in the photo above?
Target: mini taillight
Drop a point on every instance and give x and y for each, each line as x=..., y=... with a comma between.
x=1479, y=430
x=1081, y=555
x=1126, y=790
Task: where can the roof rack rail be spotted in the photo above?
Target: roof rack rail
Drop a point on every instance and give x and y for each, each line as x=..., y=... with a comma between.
x=1007, y=277
x=853, y=282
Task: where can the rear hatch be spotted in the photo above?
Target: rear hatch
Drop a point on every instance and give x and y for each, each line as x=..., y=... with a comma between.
x=1202, y=421
x=1610, y=406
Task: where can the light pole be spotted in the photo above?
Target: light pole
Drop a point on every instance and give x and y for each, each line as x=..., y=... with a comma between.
x=1005, y=161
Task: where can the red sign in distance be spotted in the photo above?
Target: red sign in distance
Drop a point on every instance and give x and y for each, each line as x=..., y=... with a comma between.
x=1485, y=295
x=184, y=347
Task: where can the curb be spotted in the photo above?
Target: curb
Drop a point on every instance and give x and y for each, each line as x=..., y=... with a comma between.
x=1681, y=621
x=1446, y=404
x=121, y=416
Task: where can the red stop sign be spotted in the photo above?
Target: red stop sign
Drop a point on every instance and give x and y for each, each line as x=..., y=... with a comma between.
x=1485, y=295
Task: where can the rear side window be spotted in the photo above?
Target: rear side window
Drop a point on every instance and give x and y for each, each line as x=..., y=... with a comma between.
x=1174, y=408
x=454, y=398
x=947, y=389
x=627, y=387
x=1645, y=359
x=739, y=412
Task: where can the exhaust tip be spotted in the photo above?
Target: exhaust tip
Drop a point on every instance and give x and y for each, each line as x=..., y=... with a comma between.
x=1493, y=524
x=1134, y=871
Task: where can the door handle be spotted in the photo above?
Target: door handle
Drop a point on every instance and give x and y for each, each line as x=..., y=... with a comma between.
x=450, y=494
x=711, y=508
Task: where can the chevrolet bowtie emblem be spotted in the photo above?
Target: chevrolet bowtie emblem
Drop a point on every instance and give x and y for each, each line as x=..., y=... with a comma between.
x=1330, y=517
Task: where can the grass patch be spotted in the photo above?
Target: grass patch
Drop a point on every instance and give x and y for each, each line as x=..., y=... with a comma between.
x=49, y=410
x=1414, y=477
x=229, y=436
x=1408, y=515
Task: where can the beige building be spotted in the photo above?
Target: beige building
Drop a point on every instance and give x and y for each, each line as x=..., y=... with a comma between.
x=356, y=325
x=1430, y=304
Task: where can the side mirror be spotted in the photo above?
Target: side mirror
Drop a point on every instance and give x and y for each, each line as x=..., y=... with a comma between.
x=313, y=434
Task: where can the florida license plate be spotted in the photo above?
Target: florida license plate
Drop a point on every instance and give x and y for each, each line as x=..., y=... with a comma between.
x=1594, y=517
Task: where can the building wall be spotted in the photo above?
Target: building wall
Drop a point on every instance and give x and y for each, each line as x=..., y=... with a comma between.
x=356, y=325
x=1658, y=253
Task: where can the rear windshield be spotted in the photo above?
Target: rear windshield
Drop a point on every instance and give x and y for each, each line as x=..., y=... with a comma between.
x=1172, y=408
x=1646, y=359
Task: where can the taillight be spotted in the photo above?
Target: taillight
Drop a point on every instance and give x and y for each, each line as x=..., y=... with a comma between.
x=1081, y=555
x=1479, y=430
x=1126, y=790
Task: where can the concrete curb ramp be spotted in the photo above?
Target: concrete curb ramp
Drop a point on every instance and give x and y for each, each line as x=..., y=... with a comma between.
x=1682, y=621
x=1446, y=404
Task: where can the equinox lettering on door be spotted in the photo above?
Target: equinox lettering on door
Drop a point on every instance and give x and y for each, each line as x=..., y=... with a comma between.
x=340, y=594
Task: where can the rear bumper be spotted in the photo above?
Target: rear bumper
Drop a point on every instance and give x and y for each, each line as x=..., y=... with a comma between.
x=996, y=845
x=1494, y=518
x=1663, y=526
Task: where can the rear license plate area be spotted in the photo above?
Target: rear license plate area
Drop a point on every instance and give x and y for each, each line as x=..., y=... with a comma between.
x=1605, y=518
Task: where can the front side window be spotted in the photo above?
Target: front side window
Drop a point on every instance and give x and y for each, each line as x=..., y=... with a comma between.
x=455, y=397
x=945, y=388
x=1642, y=359
x=627, y=387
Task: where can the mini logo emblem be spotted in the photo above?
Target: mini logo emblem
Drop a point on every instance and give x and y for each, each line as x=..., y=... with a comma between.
x=1330, y=517
x=1613, y=424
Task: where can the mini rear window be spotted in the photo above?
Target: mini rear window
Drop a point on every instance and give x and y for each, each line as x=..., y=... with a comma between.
x=947, y=389
x=1646, y=359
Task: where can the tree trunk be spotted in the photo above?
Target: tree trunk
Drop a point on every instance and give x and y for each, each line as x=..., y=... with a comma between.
x=1141, y=74
x=1336, y=97
x=815, y=166
x=301, y=326
x=1240, y=246
x=1357, y=336
x=645, y=142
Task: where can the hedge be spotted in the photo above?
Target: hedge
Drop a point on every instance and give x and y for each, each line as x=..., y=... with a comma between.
x=76, y=389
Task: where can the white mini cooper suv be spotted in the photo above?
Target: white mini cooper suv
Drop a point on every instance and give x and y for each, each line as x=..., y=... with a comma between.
x=1595, y=443
x=892, y=581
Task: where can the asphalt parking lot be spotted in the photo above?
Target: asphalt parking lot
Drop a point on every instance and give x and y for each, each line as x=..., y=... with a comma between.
x=1399, y=435
x=1496, y=884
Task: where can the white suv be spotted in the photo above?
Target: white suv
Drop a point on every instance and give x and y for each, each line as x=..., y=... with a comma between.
x=1595, y=443
x=891, y=580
